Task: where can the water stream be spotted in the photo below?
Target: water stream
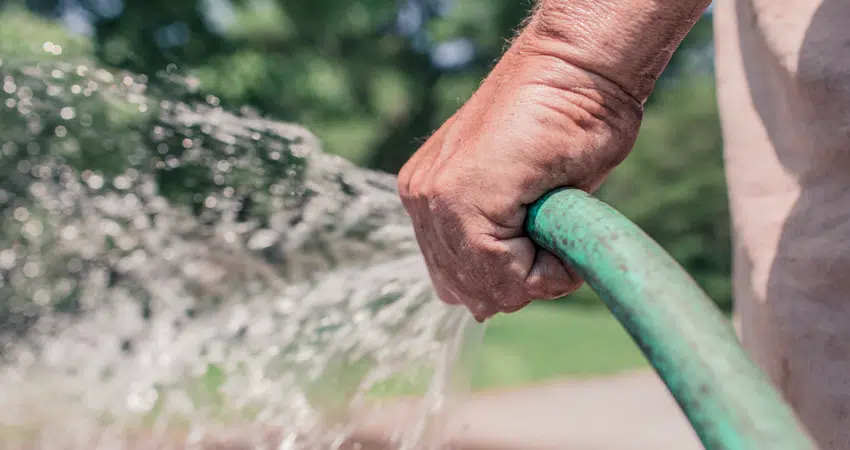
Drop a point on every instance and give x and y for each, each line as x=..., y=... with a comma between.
x=174, y=274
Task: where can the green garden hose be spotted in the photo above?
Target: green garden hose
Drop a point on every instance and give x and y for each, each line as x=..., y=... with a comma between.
x=727, y=398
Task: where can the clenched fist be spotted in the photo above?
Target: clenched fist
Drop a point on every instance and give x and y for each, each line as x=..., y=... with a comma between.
x=537, y=122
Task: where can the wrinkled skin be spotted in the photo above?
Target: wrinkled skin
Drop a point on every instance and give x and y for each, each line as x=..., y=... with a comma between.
x=561, y=109
x=535, y=124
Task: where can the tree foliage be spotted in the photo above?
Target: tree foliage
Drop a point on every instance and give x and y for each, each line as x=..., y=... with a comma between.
x=373, y=77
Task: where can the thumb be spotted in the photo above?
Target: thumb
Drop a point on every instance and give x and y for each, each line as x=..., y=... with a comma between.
x=550, y=277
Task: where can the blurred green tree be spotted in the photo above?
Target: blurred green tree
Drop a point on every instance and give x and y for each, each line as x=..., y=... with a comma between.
x=373, y=77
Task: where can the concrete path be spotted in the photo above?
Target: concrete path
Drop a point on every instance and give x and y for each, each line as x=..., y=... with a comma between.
x=626, y=412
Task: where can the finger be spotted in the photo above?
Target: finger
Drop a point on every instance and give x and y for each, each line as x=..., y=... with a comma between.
x=439, y=263
x=444, y=289
x=481, y=311
x=451, y=285
x=457, y=269
x=447, y=296
x=514, y=308
x=592, y=185
x=421, y=227
x=502, y=276
x=550, y=278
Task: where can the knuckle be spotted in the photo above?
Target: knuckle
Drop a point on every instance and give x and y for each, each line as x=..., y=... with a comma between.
x=447, y=208
x=481, y=309
x=403, y=185
x=441, y=204
x=481, y=287
x=506, y=291
x=404, y=181
x=447, y=296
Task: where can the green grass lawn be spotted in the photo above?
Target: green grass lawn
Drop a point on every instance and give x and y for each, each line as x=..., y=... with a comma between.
x=546, y=341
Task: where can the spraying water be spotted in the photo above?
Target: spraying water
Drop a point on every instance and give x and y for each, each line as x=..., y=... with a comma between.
x=174, y=275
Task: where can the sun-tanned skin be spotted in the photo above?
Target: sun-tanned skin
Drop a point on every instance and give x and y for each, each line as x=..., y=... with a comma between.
x=563, y=107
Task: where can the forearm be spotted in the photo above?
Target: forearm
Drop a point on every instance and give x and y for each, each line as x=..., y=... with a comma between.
x=628, y=42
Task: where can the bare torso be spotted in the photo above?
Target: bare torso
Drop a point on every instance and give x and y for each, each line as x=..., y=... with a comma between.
x=784, y=93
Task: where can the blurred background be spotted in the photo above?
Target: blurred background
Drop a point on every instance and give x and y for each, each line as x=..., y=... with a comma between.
x=372, y=78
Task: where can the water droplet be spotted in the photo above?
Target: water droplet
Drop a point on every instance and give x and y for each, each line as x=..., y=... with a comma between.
x=95, y=181
x=21, y=214
x=67, y=113
x=75, y=265
x=31, y=269
x=69, y=233
x=33, y=228
x=142, y=400
x=262, y=239
x=24, y=108
x=10, y=148
x=7, y=259
x=39, y=189
x=25, y=93
x=121, y=182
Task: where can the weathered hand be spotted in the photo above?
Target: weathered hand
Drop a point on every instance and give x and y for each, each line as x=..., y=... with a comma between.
x=535, y=124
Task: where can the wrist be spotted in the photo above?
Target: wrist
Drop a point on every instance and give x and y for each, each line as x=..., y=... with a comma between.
x=582, y=96
x=590, y=121
x=627, y=43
